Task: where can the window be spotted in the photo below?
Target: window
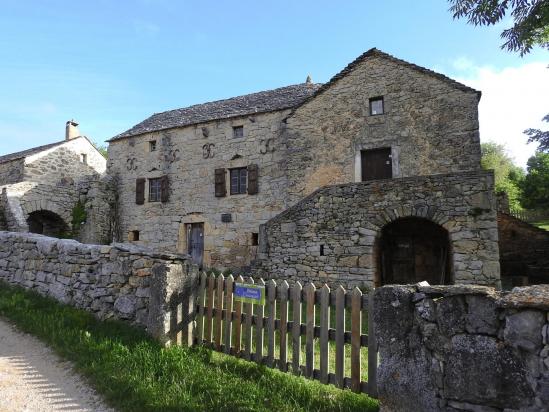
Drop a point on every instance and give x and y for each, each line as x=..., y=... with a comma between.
x=321, y=250
x=152, y=146
x=155, y=189
x=376, y=106
x=239, y=180
x=133, y=235
x=255, y=239
x=238, y=131
x=84, y=158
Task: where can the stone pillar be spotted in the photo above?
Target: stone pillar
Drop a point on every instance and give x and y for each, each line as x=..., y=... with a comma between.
x=171, y=306
x=71, y=130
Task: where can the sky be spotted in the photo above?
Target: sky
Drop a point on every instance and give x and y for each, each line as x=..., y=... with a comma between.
x=109, y=64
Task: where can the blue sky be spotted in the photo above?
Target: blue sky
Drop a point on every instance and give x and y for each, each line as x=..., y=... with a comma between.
x=111, y=63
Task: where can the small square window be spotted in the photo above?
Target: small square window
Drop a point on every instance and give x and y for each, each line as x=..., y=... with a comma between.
x=152, y=146
x=84, y=158
x=155, y=188
x=255, y=239
x=239, y=181
x=376, y=106
x=133, y=235
x=238, y=131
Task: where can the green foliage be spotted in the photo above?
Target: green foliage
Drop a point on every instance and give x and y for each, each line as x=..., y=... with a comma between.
x=79, y=216
x=530, y=20
x=135, y=373
x=508, y=176
x=540, y=136
x=536, y=183
x=102, y=148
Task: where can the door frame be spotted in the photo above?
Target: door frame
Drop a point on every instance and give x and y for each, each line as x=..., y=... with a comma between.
x=395, y=158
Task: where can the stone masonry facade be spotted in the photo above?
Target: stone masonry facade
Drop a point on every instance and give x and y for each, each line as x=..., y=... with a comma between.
x=189, y=156
x=462, y=348
x=298, y=139
x=333, y=235
x=47, y=183
x=429, y=123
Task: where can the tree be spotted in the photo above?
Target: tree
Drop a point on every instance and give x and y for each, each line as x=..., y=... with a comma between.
x=540, y=136
x=536, y=182
x=530, y=20
x=102, y=149
x=508, y=176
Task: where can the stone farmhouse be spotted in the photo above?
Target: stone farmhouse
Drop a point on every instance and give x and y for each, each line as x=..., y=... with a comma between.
x=42, y=188
x=373, y=177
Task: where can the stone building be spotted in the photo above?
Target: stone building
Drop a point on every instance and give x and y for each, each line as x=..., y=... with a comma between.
x=371, y=178
x=42, y=188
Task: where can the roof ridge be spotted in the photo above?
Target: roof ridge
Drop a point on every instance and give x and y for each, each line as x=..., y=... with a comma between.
x=262, y=101
x=376, y=52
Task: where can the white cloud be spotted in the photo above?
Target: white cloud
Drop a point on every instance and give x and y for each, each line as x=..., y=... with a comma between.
x=513, y=99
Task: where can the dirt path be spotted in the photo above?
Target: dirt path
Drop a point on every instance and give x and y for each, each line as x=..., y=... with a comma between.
x=33, y=378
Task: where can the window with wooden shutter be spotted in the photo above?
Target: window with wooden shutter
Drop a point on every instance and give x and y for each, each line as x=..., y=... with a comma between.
x=220, y=187
x=164, y=189
x=140, y=191
x=252, y=179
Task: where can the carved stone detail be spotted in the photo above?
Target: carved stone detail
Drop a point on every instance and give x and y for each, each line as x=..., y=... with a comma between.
x=131, y=163
x=208, y=150
x=266, y=146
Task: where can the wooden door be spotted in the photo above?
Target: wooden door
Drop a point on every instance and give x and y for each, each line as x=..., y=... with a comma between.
x=376, y=164
x=195, y=242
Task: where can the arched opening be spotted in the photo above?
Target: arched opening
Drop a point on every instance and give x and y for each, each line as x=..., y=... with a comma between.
x=47, y=223
x=412, y=250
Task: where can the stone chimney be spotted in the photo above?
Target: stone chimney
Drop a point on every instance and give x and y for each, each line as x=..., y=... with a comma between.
x=71, y=130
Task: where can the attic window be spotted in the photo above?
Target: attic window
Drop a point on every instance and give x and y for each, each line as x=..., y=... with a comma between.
x=238, y=131
x=376, y=106
x=152, y=146
x=133, y=235
x=84, y=158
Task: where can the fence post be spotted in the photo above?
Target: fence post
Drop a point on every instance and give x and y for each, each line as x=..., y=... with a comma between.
x=372, y=348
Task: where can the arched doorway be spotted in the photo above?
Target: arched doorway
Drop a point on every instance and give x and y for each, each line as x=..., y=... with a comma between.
x=412, y=250
x=47, y=223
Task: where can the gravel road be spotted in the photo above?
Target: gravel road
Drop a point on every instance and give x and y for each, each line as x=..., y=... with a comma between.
x=33, y=378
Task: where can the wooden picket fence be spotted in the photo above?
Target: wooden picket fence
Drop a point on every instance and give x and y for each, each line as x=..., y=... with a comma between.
x=271, y=334
x=533, y=215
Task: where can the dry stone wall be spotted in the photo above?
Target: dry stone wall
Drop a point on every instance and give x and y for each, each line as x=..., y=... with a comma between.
x=332, y=235
x=118, y=281
x=524, y=252
x=462, y=348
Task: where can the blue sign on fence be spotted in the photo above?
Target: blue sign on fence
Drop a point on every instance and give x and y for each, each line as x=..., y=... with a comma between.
x=249, y=293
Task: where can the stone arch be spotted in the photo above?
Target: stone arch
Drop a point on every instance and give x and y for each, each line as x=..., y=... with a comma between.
x=47, y=205
x=413, y=248
x=48, y=223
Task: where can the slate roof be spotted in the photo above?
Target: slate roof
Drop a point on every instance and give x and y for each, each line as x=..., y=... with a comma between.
x=261, y=102
x=29, y=152
x=375, y=52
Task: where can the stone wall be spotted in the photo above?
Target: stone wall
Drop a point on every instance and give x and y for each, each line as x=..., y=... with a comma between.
x=524, y=252
x=430, y=124
x=119, y=281
x=189, y=157
x=462, y=348
x=64, y=163
x=97, y=196
x=12, y=171
x=333, y=234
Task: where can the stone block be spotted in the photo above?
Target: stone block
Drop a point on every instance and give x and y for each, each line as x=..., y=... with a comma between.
x=523, y=330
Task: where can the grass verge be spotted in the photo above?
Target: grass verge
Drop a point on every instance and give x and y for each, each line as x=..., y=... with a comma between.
x=135, y=373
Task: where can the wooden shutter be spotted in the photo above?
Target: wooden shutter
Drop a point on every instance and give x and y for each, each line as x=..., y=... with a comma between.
x=220, y=185
x=164, y=189
x=252, y=179
x=140, y=191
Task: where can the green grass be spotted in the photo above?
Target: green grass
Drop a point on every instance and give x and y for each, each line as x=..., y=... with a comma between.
x=543, y=224
x=135, y=373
